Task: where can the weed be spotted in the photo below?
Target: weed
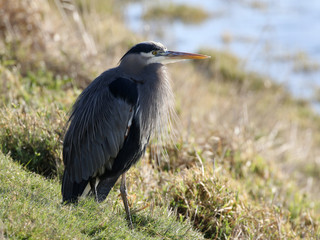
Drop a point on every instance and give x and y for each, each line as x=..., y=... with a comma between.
x=180, y=12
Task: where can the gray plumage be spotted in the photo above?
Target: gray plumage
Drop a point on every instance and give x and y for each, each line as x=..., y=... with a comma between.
x=113, y=120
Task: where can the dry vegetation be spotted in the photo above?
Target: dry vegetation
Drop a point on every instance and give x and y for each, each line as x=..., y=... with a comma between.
x=172, y=12
x=245, y=165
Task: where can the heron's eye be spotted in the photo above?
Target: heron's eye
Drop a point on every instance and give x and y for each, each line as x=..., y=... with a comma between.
x=154, y=52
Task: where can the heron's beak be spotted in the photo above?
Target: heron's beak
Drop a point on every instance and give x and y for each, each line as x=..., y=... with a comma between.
x=183, y=55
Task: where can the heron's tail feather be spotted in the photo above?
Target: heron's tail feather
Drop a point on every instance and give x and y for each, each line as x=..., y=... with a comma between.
x=72, y=190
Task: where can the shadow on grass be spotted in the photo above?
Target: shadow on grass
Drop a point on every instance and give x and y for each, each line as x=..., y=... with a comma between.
x=144, y=223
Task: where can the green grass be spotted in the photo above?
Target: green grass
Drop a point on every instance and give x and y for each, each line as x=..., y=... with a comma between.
x=30, y=208
x=33, y=139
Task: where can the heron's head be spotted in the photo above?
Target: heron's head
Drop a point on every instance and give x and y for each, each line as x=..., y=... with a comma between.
x=150, y=52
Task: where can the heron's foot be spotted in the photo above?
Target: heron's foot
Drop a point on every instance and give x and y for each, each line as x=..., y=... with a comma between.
x=129, y=221
x=128, y=214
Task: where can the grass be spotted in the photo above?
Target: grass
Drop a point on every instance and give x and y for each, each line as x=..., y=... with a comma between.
x=33, y=139
x=181, y=12
x=301, y=62
x=31, y=209
x=244, y=164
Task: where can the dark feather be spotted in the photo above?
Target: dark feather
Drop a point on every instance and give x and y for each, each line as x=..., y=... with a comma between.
x=96, y=133
x=143, y=47
x=72, y=190
x=125, y=89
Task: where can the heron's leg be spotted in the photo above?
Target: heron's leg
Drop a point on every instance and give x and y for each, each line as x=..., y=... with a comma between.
x=123, y=191
x=104, y=187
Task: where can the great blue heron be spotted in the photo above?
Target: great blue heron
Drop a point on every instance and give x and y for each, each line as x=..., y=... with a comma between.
x=113, y=119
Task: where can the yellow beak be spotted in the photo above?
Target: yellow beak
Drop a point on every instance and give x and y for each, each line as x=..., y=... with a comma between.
x=183, y=55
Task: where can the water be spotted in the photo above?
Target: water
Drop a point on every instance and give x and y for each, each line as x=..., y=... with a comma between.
x=264, y=37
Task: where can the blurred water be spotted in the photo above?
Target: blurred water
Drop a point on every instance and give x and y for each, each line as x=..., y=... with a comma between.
x=263, y=36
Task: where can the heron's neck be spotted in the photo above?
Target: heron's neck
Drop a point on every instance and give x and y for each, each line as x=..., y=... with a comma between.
x=155, y=99
x=132, y=66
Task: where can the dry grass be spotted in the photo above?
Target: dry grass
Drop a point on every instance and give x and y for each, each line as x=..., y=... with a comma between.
x=180, y=12
x=245, y=164
x=62, y=43
x=301, y=61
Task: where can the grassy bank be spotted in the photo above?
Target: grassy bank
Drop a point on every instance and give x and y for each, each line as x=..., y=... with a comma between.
x=31, y=209
x=244, y=165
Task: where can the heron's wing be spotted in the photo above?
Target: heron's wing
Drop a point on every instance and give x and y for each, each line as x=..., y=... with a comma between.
x=99, y=123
